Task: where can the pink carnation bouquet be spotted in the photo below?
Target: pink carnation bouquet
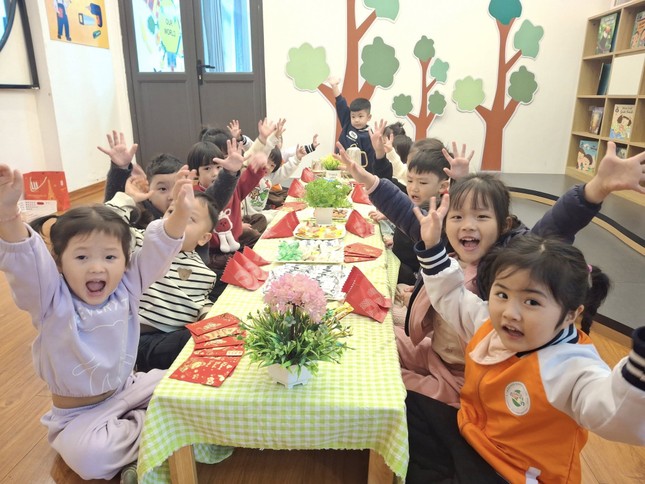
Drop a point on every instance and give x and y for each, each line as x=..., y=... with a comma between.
x=295, y=328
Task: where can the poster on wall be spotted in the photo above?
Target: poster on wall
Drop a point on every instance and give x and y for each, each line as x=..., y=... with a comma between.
x=78, y=22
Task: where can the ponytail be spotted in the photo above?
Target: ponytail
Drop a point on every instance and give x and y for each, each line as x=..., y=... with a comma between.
x=596, y=294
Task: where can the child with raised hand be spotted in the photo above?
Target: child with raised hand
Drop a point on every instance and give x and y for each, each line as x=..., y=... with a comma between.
x=182, y=295
x=161, y=174
x=355, y=131
x=478, y=219
x=83, y=300
x=534, y=384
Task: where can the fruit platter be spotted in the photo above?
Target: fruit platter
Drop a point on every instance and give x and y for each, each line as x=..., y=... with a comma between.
x=309, y=229
x=311, y=251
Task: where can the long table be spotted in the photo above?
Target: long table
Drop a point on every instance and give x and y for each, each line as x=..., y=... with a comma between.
x=357, y=404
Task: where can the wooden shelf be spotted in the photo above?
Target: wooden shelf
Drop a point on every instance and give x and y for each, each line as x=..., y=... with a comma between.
x=587, y=96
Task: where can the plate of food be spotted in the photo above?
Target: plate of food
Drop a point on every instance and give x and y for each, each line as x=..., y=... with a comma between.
x=340, y=214
x=311, y=251
x=309, y=229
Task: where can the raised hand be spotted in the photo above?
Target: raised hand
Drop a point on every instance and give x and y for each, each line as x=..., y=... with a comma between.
x=265, y=129
x=138, y=189
x=118, y=150
x=376, y=136
x=279, y=127
x=356, y=170
x=300, y=152
x=258, y=162
x=234, y=128
x=388, y=142
x=10, y=191
x=432, y=223
x=614, y=174
x=234, y=160
x=460, y=164
x=315, y=143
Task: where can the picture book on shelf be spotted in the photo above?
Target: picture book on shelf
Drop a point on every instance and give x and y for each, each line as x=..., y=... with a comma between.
x=603, y=81
x=638, y=34
x=606, y=31
x=595, y=119
x=587, y=152
x=621, y=121
x=621, y=152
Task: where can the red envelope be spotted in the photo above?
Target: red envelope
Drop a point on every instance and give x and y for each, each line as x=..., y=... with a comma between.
x=218, y=343
x=247, y=264
x=293, y=206
x=307, y=175
x=208, y=371
x=232, y=351
x=364, y=297
x=357, y=225
x=218, y=334
x=237, y=275
x=213, y=323
x=254, y=257
x=296, y=190
x=359, y=195
x=283, y=228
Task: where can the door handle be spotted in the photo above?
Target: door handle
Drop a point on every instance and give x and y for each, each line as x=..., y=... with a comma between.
x=200, y=70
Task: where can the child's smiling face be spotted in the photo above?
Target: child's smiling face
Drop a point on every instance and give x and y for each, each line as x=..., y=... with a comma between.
x=523, y=312
x=471, y=230
x=93, y=265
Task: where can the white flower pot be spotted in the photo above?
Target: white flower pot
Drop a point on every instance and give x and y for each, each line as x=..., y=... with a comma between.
x=323, y=215
x=288, y=377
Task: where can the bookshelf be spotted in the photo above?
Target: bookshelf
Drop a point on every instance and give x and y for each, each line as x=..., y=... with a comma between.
x=626, y=85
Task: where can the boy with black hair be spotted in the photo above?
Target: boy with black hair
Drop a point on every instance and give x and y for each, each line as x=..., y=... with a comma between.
x=354, y=121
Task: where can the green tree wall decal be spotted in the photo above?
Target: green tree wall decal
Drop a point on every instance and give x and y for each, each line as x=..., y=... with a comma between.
x=308, y=67
x=468, y=93
x=430, y=105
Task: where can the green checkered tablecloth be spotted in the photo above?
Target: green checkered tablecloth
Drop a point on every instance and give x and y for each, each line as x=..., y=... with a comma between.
x=357, y=404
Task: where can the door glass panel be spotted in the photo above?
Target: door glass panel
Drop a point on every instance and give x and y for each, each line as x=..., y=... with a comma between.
x=157, y=27
x=227, y=35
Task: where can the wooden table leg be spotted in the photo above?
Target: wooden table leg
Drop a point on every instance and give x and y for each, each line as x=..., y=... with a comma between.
x=377, y=471
x=182, y=466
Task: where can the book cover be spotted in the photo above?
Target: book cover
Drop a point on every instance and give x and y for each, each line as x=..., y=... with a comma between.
x=621, y=121
x=621, y=152
x=638, y=33
x=595, y=119
x=606, y=31
x=587, y=152
x=603, y=81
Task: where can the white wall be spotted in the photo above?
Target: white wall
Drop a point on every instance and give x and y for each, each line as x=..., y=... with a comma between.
x=82, y=96
x=465, y=35
x=83, y=91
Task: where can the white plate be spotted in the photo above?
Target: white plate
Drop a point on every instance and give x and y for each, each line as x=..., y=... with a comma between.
x=322, y=232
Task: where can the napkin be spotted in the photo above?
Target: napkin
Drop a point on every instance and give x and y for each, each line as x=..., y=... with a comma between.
x=357, y=225
x=307, y=175
x=254, y=257
x=296, y=190
x=283, y=228
x=237, y=275
x=363, y=296
x=251, y=267
x=293, y=206
x=358, y=252
x=359, y=195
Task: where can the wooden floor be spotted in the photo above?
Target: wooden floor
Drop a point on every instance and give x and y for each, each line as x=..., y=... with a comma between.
x=25, y=455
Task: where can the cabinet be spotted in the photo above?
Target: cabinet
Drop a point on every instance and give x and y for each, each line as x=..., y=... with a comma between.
x=627, y=87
